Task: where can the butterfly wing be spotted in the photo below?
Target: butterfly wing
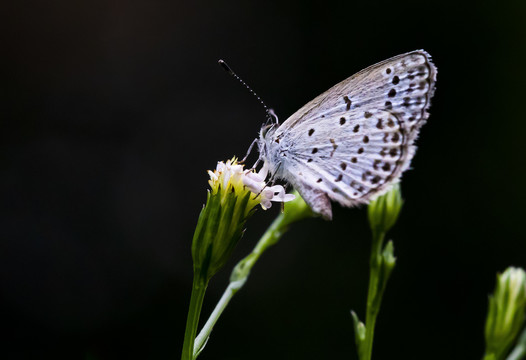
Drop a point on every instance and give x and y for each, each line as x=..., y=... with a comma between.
x=355, y=140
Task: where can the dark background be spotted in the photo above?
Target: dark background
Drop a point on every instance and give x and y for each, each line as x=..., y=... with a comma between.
x=113, y=111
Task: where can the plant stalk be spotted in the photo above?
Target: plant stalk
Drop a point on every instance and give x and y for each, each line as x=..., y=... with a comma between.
x=194, y=311
x=375, y=292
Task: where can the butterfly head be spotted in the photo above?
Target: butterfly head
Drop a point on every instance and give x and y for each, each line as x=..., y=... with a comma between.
x=270, y=147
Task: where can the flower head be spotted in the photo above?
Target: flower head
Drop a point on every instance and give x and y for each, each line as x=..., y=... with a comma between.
x=231, y=175
x=234, y=194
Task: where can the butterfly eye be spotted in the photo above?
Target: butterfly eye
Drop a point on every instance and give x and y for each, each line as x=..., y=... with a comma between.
x=265, y=129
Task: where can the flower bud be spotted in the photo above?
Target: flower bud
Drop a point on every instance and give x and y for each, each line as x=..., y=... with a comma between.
x=297, y=209
x=383, y=211
x=506, y=311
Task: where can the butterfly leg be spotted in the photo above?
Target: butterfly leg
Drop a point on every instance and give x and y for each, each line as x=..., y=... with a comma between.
x=249, y=151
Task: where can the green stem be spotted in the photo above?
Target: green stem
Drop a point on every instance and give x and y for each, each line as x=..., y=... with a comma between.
x=374, y=295
x=196, y=302
x=238, y=278
x=201, y=339
x=269, y=238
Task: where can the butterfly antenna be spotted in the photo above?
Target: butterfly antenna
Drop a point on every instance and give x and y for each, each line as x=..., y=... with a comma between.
x=270, y=112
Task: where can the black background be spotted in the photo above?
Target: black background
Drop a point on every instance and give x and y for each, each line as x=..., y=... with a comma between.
x=113, y=111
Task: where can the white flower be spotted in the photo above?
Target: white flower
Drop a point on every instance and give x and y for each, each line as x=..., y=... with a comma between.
x=232, y=174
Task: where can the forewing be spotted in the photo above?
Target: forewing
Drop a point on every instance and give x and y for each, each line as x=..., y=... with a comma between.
x=354, y=140
x=402, y=85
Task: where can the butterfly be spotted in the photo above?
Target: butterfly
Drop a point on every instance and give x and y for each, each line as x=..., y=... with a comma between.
x=351, y=143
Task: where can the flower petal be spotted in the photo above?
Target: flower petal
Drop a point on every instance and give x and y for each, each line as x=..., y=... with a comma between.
x=253, y=185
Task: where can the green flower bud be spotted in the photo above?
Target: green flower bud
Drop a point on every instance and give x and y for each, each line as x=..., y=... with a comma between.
x=383, y=211
x=506, y=312
x=388, y=259
x=296, y=210
x=359, y=330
